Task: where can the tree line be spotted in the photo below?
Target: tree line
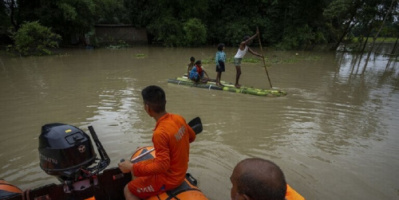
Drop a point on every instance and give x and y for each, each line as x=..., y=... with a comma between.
x=284, y=24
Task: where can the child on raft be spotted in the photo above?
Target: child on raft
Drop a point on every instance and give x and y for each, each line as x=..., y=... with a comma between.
x=190, y=65
x=197, y=73
x=220, y=59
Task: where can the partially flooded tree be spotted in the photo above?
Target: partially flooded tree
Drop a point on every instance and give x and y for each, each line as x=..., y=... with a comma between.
x=394, y=28
x=385, y=11
x=341, y=17
x=35, y=39
x=65, y=17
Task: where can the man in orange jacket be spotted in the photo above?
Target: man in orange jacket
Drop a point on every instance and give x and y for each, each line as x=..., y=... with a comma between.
x=259, y=179
x=171, y=138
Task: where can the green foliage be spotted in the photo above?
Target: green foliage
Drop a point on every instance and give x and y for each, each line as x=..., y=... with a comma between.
x=206, y=61
x=140, y=55
x=195, y=32
x=3, y=15
x=338, y=10
x=35, y=39
x=379, y=39
x=119, y=45
x=111, y=12
x=186, y=9
x=301, y=37
x=142, y=12
x=68, y=12
x=287, y=24
x=68, y=18
x=5, y=25
x=235, y=32
x=250, y=60
x=167, y=30
x=211, y=60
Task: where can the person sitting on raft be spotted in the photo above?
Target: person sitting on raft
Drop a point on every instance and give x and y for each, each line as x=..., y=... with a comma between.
x=190, y=65
x=197, y=73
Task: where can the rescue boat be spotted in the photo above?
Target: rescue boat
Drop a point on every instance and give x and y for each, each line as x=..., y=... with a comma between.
x=7, y=189
x=67, y=153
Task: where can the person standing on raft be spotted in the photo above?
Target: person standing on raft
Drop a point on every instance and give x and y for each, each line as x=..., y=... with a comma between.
x=220, y=59
x=171, y=138
x=242, y=50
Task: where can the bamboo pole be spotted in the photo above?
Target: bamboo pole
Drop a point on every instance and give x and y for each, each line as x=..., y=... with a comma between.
x=263, y=58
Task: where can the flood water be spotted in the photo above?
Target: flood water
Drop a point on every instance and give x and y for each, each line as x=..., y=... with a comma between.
x=334, y=135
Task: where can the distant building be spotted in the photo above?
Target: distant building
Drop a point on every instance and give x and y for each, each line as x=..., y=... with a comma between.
x=114, y=33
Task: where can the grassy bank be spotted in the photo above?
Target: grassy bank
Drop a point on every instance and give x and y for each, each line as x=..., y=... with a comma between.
x=380, y=39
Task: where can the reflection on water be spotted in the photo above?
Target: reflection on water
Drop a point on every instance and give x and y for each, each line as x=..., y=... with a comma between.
x=333, y=133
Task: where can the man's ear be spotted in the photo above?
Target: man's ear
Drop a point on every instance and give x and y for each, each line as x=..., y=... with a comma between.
x=245, y=197
x=242, y=197
x=147, y=109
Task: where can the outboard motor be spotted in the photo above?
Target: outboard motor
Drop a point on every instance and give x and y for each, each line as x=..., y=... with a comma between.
x=67, y=152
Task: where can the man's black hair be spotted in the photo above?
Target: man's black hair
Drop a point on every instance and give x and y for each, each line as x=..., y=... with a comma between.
x=155, y=98
x=192, y=59
x=261, y=179
x=220, y=47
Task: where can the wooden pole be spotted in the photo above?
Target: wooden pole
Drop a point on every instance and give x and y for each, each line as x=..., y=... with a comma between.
x=263, y=58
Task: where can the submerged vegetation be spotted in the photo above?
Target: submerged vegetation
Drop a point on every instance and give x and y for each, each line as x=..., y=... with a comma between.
x=295, y=58
x=119, y=45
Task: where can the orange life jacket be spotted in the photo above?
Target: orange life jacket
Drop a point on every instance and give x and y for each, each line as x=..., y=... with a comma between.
x=292, y=194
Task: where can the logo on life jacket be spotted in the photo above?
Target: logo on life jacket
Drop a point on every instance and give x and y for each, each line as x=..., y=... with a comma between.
x=145, y=189
x=180, y=133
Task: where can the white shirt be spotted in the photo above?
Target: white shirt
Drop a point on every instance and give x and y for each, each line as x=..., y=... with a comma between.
x=241, y=53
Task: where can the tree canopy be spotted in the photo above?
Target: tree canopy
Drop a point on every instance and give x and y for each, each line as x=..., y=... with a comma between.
x=286, y=24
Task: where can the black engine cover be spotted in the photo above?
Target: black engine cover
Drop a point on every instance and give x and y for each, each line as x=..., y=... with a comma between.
x=64, y=149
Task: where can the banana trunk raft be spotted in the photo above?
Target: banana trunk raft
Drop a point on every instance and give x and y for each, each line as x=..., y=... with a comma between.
x=228, y=87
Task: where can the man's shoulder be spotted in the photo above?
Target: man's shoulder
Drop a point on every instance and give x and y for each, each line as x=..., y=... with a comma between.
x=171, y=117
x=172, y=122
x=242, y=45
x=174, y=116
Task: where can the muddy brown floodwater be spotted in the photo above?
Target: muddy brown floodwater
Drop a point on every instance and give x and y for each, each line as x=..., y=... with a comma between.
x=335, y=134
